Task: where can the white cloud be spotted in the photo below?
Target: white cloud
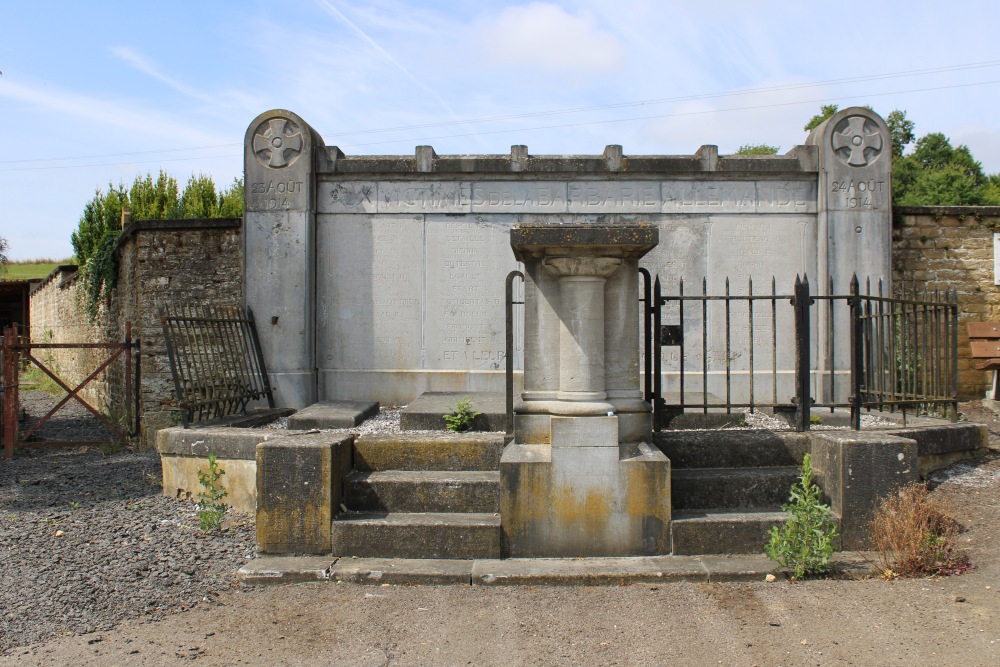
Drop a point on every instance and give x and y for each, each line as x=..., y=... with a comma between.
x=106, y=113
x=545, y=36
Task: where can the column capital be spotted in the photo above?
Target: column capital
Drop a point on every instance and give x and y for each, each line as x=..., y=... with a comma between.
x=594, y=267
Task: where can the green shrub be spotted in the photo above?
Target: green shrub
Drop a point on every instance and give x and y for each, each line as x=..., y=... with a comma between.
x=210, y=506
x=462, y=416
x=805, y=542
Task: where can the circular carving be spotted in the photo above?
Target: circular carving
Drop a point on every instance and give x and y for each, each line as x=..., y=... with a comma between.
x=277, y=143
x=857, y=141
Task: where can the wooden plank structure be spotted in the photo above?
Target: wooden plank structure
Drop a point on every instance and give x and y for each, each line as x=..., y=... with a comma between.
x=984, y=346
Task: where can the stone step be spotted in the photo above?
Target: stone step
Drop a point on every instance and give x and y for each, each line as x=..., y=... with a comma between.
x=426, y=412
x=333, y=414
x=732, y=449
x=413, y=535
x=696, y=532
x=429, y=451
x=731, y=488
x=423, y=491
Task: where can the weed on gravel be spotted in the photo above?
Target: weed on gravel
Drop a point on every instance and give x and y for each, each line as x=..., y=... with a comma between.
x=87, y=541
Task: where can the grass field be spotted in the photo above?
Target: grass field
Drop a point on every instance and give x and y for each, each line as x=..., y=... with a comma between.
x=30, y=270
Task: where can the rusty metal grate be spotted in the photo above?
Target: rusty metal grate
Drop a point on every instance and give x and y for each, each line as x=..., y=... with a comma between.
x=216, y=361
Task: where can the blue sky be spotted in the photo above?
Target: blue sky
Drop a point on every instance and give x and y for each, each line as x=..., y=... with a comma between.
x=98, y=92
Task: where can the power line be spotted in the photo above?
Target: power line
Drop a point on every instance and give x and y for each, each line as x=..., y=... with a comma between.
x=537, y=114
x=530, y=129
x=684, y=98
x=674, y=115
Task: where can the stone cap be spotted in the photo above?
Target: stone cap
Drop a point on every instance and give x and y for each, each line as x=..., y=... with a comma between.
x=706, y=160
x=630, y=241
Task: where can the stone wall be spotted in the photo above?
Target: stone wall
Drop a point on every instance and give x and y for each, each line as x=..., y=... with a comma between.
x=951, y=247
x=196, y=262
x=57, y=317
x=381, y=277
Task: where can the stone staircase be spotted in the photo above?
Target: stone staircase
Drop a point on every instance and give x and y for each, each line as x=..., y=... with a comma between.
x=422, y=495
x=728, y=487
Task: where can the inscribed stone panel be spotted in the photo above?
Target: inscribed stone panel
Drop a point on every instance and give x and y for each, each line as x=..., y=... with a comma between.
x=347, y=197
x=370, y=282
x=757, y=249
x=786, y=196
x=709, y=197
x=681, y=254
x=468, y=259
x=518, y=197
x=614, y=197
x=424, y=197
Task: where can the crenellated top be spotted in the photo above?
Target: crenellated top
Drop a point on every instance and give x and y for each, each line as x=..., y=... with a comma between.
x=799, y=160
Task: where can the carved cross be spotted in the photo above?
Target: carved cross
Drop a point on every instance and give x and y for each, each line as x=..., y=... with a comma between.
x=856, y=139
x=276, y=140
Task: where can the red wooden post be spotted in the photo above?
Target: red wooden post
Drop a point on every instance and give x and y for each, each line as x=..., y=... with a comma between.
x=10, y=382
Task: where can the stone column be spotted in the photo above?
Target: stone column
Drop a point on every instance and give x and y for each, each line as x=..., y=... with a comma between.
x=579, y=480
x=581, y=331
x=279, y=250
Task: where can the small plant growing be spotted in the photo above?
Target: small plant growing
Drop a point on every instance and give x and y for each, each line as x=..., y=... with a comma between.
x=815, y=420
x=461, y=416
x=804, y=543
x=211, y=508
x=913, y=538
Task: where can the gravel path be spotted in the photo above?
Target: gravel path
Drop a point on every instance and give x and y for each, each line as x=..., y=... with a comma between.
x=87, y=541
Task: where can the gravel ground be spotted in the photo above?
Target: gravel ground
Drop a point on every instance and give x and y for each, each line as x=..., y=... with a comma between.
x=97, y=568
x=86, y=541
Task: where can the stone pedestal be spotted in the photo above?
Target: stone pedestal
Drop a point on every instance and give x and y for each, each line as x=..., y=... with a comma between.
x=581, y=477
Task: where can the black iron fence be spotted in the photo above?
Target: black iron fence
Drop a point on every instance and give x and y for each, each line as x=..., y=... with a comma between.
x=795, y=351
x=216, y=361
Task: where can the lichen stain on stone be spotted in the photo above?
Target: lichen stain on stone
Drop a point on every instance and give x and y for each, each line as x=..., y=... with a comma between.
x=592, y=511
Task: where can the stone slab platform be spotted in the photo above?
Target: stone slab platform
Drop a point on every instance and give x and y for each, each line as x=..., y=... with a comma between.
x=333, y=414
x=426, y=412
x=526, y=571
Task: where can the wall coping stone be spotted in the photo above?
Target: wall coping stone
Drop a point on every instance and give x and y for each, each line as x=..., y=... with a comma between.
x=66, y=273
x=800, y=159
x=180, y=225
x=985, y=211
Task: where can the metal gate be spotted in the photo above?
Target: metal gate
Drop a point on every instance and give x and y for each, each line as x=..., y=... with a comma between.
x=18, y=352
x=760, y=348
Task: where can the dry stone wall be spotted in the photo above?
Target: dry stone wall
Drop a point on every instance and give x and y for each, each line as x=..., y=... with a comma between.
x=951, y=247
x=58, y=317
x=195, y=262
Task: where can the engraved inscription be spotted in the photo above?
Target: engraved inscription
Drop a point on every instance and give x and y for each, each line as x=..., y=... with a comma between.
x=519, y=197
x=614, y=197
x=424, y=197
x=465, y=292
x=794, y=196
x=709, y=196
x=272, y=195
x=861, y=193
x=277, y=143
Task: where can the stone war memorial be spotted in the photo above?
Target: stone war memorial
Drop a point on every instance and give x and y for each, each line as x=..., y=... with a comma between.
x=630, y=304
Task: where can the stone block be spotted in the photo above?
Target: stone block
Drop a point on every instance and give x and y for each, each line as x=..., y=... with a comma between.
x=333, y=414
x=856, y=469
x=180, y=480
x=274, y=570
x=300, y=485
x=426, y=413
x=584, y=501
x=584, y=432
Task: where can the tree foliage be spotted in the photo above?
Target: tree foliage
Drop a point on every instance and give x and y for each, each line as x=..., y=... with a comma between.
x=933, y=173
x=3, y=255
x=757, y=149
x=825, y=111
x=96, y=237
